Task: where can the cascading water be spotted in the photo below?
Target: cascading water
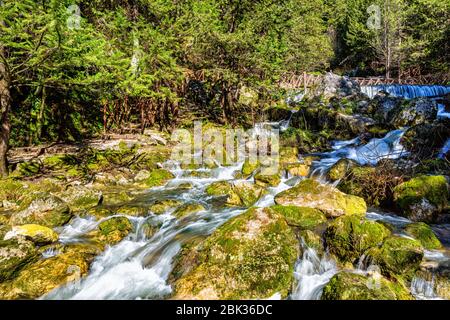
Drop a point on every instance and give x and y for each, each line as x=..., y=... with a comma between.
x=312, y=273
x=371, y=153
x=406, y=91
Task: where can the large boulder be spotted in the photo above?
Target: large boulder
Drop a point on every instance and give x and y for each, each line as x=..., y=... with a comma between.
x=331, y=201
x=163, y=206
x=424, y=234
x=33, y=232
x=414, y=112
x=333, y=85
x=398, y=256
x=348, y=237
x=251, y=256
x=14, y=255
x=422, y=198
x=353, y=286
x=426, y=140
x=46, y=210
x=45, y=275
x=188, y=209
x=302, y=217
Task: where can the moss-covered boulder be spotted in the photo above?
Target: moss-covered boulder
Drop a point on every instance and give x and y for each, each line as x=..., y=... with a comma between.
x=113, y=230
x=133, y=210
x=302, y=217
x=40, y=278
x=312, y=240
x=158, y=177
x=397, y=256
x=46, y=210
x=422, y=198
x=353, y=286
x=348, y=237
x=38, y=234
x=298, y=169
x=424, y=234
x=288, y=155
x=331, y=201
x=239, y=194
x=187, y=209
x=251, y=256
x=80, y=197
x=267, y=180
x=340, y=169
x=14, y=255
x=116, y=196
x=248, y=168
x=163, y=206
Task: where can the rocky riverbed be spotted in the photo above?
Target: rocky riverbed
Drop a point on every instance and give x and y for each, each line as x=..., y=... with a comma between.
x=359, y=209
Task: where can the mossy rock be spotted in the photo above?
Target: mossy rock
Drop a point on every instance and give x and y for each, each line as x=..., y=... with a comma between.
x=247, y=192
x=14, y=255
x=27, y=169
x=340, y=169
x=331, y=201
x=248, y=168
x=288, y=155
x=348, y=237
x=251, y=256
x=267, y=180
x=38, y=234
x=298, y=169
x=219, y=188
x=422, y=197
x=99, y=212
x=239, y=194
x=46, y=210
x=132, y=210
x=113, y=230
x=302, y=217
x=188, y=209
x=424, y=234
x=158, y=177
x=185, y=186
x=312, y=240
x=81, y=198
x=116, y=197
x=397, y=256
x=163, y=206
x=45, y=275
x=353, y=286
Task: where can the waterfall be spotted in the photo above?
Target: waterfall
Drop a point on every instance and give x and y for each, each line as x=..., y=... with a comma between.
x=312, y=274
x=407, y=91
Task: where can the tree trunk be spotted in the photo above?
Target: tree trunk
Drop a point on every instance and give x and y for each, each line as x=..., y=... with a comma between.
x=5, y=106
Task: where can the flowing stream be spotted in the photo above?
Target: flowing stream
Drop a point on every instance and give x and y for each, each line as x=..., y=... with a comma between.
x=138, y=267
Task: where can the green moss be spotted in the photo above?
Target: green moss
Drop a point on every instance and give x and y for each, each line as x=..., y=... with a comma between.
x=14, y=255
x=312, y=240
x=158, y=177
x=187, y=209
x=163, y=206
x=248, y=168
x=36, y=233
x=349, y=237
x=114, y=230
x=398, y=256
x=251, y=256
x=267, y=180
x=331, y=201
x=303, y=217
x=340, y=169
x=220, y=188
x=424, y=234
x=352, y=286
x=432, y=188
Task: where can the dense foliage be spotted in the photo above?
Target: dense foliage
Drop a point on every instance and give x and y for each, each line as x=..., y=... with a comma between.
x=69, y=70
